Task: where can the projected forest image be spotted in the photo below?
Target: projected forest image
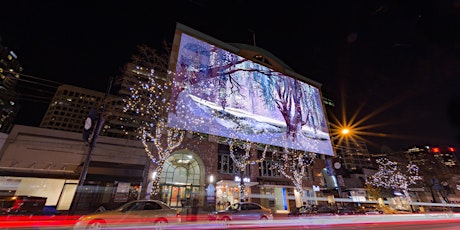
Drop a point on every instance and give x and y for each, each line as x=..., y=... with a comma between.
x=220, y=93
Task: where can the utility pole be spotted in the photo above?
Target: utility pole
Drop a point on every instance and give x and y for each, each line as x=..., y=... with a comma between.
x=253, y=36
x=92, y=146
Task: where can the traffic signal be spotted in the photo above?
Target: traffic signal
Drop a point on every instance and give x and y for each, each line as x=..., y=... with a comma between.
x=436, y=150
x=87, y=128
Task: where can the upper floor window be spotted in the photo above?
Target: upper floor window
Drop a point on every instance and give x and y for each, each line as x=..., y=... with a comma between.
x=226, y=164
x=267, y=169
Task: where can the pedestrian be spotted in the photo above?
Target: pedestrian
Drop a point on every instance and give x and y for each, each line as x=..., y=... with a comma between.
x=195, y=204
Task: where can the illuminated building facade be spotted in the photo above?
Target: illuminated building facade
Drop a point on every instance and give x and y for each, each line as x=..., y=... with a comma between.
x=445, y=155
x=9, y=73
x=354, y=155
x=202, y=164
x=439, y=169
x=69, y=108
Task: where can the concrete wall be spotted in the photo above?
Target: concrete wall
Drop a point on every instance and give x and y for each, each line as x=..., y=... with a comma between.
x=30, y=149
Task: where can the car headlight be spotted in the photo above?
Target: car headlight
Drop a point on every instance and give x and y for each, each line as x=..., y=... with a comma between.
x=84, y=218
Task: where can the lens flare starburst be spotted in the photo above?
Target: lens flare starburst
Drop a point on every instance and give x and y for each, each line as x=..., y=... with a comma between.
x=349, y=130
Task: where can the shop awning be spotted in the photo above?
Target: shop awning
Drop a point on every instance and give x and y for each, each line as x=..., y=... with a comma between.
x=231, y=183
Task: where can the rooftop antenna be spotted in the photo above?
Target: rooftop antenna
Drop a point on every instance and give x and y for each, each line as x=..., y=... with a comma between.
x=253, y=36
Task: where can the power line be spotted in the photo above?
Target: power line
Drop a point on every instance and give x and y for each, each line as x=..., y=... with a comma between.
x=33, y=77
x=36, y=83
x=34, y=89
x=32, y=100
x=34, y=96
x=33, y=84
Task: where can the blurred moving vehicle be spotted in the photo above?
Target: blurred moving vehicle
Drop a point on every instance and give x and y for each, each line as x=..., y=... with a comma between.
x=137, y=212
x=242, y=211
x=22, y=205
x=109, y=206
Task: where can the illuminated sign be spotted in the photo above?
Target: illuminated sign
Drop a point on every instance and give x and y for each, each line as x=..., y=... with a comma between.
x=245, y=179
x=316, y=188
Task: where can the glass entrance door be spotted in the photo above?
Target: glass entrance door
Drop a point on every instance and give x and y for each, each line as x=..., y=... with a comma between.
x=180, y=178
x=174, y=194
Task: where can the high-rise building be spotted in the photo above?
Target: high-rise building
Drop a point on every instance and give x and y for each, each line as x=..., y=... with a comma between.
x=71, y=105
x=9, y=73
x=354, y=155
x=69, y=108
x=445, y=155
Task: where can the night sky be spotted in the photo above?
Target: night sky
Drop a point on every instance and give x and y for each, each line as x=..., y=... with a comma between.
x=395, y=62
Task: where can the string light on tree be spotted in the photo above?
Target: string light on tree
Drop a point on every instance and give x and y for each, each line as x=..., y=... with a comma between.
x=242, y=160
x=293, y=164
x=149, y=104
x=389, y=175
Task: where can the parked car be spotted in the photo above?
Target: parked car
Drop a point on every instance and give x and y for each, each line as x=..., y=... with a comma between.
x=370, y=210
x=323, y=211
x=242, y=211
x=137, y=212
x=346, y=211
x=300, y=211
x=22, y=205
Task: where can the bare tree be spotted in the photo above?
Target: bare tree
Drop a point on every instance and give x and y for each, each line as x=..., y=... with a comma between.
x=293, y=164
x=148, y=103
x=389, y=175
x=242, y=160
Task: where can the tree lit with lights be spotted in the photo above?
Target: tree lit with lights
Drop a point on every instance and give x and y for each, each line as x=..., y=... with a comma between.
x=391, y=176
x=244, y=159
x=148, y=103
x=293, y=164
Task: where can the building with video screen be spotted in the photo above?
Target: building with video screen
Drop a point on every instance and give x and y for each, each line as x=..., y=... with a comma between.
x=224, y=96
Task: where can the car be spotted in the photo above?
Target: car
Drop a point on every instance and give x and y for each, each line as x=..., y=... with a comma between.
x=300, y=211
x=323, y=211
x=109, y=206
x=370, y=210
x=137, y=212
x=346, y=211
x=242, y=211
x=22, y=205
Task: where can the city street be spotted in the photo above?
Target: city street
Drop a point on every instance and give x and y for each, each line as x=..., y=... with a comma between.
x=397, y=221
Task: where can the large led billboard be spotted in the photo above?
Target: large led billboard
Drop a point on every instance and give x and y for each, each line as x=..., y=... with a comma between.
x=220, y=93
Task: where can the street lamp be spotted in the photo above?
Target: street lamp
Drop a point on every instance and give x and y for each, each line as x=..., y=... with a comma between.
x=342, y=133
x=211, y=179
